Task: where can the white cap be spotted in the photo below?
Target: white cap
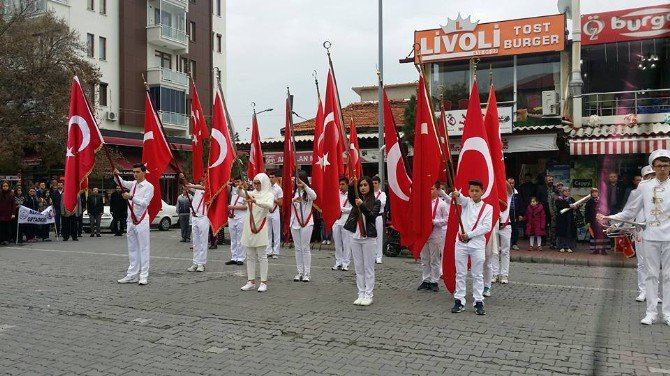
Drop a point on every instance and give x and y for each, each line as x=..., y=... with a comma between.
x=646, y=170
x=657, y=154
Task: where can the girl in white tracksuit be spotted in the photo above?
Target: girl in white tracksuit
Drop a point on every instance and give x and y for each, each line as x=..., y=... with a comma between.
x=302, y=224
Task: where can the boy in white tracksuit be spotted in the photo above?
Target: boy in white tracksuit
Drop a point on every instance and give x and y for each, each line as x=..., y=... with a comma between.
x=199, y=227
x=431, y=254
x=476, y=217
x=302, y=225
x=274, y=219
x=500, y=262
x=341, y=237
x=380, y=195
x=237, y=212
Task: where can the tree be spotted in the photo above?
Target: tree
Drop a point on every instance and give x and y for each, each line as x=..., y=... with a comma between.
x=39, y=55
x=408, y=127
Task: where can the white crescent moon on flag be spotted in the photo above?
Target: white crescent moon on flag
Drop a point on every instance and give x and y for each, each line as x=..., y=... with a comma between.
x=148, y=136
x=393, y=157
x=85, y=132
x=223, y=147
x=479, y=145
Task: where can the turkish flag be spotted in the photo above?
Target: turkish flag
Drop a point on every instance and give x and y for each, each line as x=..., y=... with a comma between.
x=426, y=169
x=492, y=125
x=256, y=164
x=444, y=145
x=220, y=162
x=333, y=100
x=474, y=163
x=156, y=155
x=354, y=152
x=398, y=180
x=200, y=133
x=287, y=173
x=317, y=155
x=83, y=140
x=330, y=202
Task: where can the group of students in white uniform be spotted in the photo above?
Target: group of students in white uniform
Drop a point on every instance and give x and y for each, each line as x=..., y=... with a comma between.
x=254, y=225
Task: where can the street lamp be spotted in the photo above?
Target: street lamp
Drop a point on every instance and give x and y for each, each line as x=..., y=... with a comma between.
x=266, y=110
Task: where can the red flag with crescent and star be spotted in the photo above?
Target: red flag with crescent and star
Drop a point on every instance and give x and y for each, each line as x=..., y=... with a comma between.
x=398, y=180
x=200, y=133
x=492, y=125
x=330, y=203
x=256, y=164
x=474, y=163
x=287, y=174
x=219, y=167
x=83, y=140
x=354, y=151
x=426, y=167
x=444, y=144
x=317, y=154
x=156, y=155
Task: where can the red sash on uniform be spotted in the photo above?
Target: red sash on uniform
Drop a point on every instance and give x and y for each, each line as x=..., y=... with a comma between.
x=481, y=211
x=133, y=217
x=435, y=208
x=252, y=223
x=231, y=212
x=297, y=217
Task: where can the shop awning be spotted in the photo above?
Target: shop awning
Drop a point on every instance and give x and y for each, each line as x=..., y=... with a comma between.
x=627, y=145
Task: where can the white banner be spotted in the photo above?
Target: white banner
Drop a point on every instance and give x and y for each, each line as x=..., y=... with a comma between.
x=456, y=120
x=27, y=215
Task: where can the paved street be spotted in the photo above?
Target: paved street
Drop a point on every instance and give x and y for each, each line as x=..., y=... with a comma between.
x=62, y=312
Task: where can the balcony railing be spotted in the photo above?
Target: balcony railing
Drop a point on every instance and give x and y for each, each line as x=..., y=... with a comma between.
x=173, y=34
x=626, y=102
x=177, y=3
x=162, y=76
x=173, y=119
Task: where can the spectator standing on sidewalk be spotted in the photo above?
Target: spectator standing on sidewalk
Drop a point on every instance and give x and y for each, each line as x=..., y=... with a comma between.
x=44, y=202
x=184, y=212
x=546, y=196
x=599, y=242
x=515, y=214
x=96, y=207
x=119, y=209
x=566, y=230
x=535, y=224
x=7, y=205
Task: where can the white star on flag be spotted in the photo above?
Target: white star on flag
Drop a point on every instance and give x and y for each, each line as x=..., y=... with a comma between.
x=323, y=161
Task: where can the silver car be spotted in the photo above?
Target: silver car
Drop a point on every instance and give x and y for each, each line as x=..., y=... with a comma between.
x=166, y=218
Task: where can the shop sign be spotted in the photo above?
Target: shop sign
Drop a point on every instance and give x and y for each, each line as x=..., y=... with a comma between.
x=456, y=120
x=518, y=143
x=302, y=158
x=463, y=39
x=626, y=25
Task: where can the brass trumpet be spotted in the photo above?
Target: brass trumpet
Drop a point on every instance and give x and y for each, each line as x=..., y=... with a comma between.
x=620, y=227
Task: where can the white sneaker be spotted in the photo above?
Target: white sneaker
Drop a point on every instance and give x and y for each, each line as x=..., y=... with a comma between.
x=568, y=250
x=366, y=301
x=494, y=279
x=143, y=281
x=345, y=268
x=305, y=278
x=328, y=242
x=275, y=256
x=641, y=297
x=336, y=267
x=378, y=260
x=263, y=287
x=201, y=268
x=666, y=320
x=323, y=242
x=248, y=287
x=358, y=301
x=648, y=320
x=562, y=250
x=504, y=280
x=192, y=268
x=515, y=247
x=128, y=279
x=297, y=278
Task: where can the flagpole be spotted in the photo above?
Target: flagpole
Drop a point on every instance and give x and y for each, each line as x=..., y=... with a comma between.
x=292, y=136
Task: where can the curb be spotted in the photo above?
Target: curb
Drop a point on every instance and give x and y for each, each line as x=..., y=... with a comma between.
x=573, y=261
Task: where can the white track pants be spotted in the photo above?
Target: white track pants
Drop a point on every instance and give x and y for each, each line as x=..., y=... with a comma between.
x=237, y=250
x=363, y=252
x=274, y=233
x=657, y=256
x=138, y=249
x=303, y=254
x=641, y=267
x=257, y=253
x=476, y=269
x=500, y=264
x=200, y=237
x=379, y=226
x=431, y=260
x=342, y=239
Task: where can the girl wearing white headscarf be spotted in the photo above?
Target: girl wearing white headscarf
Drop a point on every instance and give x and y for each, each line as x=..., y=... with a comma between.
x=255, y=231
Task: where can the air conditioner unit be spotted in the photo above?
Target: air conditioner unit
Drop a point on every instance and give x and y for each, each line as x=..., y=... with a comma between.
x=549, y=103
x=111, y=116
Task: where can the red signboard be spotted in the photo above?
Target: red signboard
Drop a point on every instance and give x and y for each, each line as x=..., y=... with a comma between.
x=626, y=25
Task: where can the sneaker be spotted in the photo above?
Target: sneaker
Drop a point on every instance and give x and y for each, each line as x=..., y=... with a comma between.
x=336, y=267
x=345, y=268
x=358, y=301
x=641, y=297
x=366, y=301
x=263, y=287
x=562, y=250
x=128, y=279
x=240, y=263
x=275, y=256
x=504, y=280
x=479, y=308
x=487, y=292
x=458, y=307
x=568, y=250
x=192, y=268
x=201, y=268
x=143, y=281
x=305, y=278
x=248, y=287
x=423, y=286
x=539, y=249
x=378, y=260
x=231, y=262
x=434, y=287
x=515, y=247
x=323, y=242
x=297, y=278
x=666, y=320
x=648, y=320
x=328, y=242
x=494, y=279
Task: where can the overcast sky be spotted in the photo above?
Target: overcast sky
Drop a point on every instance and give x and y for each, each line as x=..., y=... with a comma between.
x=275, y=44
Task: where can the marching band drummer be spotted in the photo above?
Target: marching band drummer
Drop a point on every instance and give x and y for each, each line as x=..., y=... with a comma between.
x=654, y=201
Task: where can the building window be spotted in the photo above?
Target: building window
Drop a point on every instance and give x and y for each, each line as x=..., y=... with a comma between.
x=102, y=48
x=89, y=92
x=218, y=8
x=219, y=42
x=90, y=45
x=103, y=6
x=168, y=100
x=102, y=94
x=191, y=31
x=191, y=68
x=218, y=75
x=164, y=60
x=182, y=65
x=90, y=4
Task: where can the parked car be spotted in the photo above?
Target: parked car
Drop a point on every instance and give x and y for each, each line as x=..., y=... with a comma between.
x=167, y=217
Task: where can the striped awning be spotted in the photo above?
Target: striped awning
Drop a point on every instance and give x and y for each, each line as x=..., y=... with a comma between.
x=624, y=145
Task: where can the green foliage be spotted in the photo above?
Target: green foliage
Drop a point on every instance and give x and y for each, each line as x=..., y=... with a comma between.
x=410, y=115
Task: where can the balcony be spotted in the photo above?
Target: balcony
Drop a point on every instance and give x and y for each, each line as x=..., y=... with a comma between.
x=168, y=37
x=173, y=120
x=178, y=3
x=167, y=77
x=646, y=106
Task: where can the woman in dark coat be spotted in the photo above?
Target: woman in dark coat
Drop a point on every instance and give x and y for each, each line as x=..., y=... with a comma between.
x=7, y=206
x=566, y=230
x=599, y=242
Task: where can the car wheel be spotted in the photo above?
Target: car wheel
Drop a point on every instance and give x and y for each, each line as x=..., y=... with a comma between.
x=164, y=224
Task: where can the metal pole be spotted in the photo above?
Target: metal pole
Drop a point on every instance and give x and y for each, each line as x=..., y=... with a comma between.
x=576, y=82
x=380, y=102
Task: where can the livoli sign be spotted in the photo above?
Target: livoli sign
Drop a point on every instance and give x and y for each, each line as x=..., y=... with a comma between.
x=626, y=25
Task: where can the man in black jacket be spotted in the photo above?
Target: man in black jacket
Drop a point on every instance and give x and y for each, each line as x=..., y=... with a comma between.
x=119, y=209
x=95, y=207
x=56, y=197
x=30, y=229
x=516, y=210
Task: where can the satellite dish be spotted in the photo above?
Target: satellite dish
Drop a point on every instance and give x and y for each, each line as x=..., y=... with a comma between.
x=564, y=6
